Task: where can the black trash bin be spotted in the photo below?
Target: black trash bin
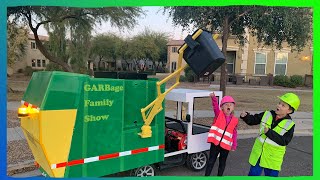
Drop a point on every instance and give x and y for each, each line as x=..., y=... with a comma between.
x=121, y=75
x=105, y=74
x=132, y=75
x=203, y=54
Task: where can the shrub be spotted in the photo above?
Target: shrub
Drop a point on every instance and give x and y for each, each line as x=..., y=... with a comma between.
x=297, y=80
x=20, y=71
x=83, y=70
x=187, y=70
x=190, y=75
x=28, y=71
x=280, y=80
x=285, y=81
x=183, y=78
x=290, y=84
x=53, y=67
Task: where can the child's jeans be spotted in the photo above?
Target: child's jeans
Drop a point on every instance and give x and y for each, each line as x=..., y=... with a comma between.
x=257, y=170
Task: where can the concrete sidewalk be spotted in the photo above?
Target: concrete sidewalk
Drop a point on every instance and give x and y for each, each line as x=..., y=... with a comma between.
x=271, y=88
x=13, y=105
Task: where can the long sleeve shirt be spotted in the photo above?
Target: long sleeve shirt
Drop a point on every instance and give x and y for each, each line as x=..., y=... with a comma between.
x=281, y=140
x=216, y=111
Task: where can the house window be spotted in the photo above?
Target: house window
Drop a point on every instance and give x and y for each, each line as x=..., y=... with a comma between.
x=43, y=63
x=38, y=63
x=33, y=63
x=281, y=61
x=173, y=66
x=230, y=67
x=231, y=57
x=33, y=45
x=174, y=49
x=260, y=64
x=113, y=64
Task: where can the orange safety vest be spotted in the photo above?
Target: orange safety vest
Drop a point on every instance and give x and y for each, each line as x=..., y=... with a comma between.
x=221, y=132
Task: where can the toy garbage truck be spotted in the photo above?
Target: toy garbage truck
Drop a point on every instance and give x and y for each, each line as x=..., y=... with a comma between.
x=80, y=126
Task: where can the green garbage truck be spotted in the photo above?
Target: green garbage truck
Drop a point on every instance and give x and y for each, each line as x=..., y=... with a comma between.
x=82, y=126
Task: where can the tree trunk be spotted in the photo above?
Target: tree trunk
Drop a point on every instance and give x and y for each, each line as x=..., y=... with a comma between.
x=137, y=65
x=225, y=34
x=99, y=64
x=157, y=67
x=127, y=65
x=46, y=54
x=43, y=50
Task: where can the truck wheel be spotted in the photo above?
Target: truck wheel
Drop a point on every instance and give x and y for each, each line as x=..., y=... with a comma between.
x=197, y=161
x=143, y=171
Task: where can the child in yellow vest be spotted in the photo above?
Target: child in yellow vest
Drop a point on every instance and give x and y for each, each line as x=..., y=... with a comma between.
x=223, y=133
x=276, y=132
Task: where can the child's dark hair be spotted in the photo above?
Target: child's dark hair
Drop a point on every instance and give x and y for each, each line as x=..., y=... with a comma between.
x=292, y=109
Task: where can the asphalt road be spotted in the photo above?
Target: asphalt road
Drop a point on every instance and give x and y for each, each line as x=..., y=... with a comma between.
x=298, y=161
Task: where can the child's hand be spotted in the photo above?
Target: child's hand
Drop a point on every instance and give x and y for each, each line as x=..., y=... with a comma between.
x=266, y=129
x=243, y=114
x=212, y=94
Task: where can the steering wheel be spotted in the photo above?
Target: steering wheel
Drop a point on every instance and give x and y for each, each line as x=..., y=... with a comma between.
x=178, y=121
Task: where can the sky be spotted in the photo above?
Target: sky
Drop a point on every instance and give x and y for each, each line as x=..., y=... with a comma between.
x=154, y=20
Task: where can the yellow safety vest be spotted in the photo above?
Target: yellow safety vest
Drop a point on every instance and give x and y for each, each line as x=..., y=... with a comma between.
x=270, y=153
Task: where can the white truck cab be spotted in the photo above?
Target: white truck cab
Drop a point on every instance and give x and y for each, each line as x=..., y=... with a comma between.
x=186, y=140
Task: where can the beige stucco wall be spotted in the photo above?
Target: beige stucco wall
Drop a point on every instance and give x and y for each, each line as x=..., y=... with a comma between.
x=174, y=57
x=232, y=46
x=295, y=66
x=27, y=59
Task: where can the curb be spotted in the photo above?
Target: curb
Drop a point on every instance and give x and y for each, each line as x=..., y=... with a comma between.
x=256, y=131
x=303, y=132
x=248, y=131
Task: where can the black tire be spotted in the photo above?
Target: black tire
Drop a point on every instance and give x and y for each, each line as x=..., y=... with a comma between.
x=197, y=161
x=143, y=171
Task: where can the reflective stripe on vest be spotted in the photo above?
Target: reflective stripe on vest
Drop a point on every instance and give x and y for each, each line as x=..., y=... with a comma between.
x=221, y=131
x=218, y=138
x=267, y=140
x=264, y=120
x=286, y=127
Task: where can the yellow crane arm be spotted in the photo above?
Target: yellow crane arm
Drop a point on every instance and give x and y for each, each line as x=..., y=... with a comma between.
x=156, y=105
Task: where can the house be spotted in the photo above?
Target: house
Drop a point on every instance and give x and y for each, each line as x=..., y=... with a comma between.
x=173, y=56
x=33, y=57
x=253, y=61
x=127, y=65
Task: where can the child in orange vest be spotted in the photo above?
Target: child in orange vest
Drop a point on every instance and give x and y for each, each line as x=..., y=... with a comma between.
x=223, y=133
